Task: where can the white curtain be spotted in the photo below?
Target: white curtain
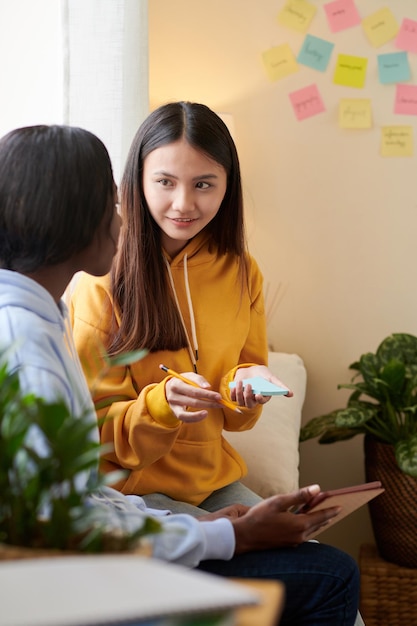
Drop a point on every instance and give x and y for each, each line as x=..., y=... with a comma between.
x=30, y=63
x=80, y=62
x=106, y=70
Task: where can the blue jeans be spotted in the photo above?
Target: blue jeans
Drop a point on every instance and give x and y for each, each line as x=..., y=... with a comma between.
x=236, y=493
x=321, y=582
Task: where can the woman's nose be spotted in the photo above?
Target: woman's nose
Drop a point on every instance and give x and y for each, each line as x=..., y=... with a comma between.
x=183, y=200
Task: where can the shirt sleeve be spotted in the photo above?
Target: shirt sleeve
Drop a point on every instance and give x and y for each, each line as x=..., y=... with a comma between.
x=186, y=541
x=182, y=540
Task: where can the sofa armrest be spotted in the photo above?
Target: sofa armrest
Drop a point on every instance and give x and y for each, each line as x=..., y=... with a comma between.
x=271, y=448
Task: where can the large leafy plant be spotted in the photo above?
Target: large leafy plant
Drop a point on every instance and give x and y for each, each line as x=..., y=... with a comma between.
x=383, y=402
x=43, y=502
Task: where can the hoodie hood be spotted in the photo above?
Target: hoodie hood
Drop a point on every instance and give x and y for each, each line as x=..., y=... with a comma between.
x=37, y=333
x=192, y=249
x=20, y=291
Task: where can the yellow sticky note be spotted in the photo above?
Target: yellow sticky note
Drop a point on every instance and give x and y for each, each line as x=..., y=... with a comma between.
x=380, y=27
x=297, y=14
x=355, y=113
x=397, y=141
x=279, y=62
x=350, y=71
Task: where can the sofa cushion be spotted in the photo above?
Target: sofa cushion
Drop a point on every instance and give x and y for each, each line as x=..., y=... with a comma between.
x=271, y=448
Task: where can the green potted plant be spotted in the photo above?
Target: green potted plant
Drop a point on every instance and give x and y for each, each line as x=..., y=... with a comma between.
x=383, y=407
x=32, y=483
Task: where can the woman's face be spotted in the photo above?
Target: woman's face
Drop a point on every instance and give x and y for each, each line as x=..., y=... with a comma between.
x=184, y=189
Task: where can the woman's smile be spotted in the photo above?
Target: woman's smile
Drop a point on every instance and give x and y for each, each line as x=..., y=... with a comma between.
x=184, y=189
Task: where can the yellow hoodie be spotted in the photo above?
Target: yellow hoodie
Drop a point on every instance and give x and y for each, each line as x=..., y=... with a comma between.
x=187, y=462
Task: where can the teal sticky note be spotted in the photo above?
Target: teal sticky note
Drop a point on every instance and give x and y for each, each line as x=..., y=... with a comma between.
x=315, y=53
x=393, y=68
x=262, y=386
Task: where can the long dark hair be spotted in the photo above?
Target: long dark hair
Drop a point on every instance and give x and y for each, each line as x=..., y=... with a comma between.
x=56, y=184
x=140, y=289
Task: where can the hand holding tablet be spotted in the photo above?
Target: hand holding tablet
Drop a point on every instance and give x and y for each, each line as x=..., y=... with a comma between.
x=348, y=498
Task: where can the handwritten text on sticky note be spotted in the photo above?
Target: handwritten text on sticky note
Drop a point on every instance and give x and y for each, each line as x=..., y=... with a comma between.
x=279, y=62
x=393, y=68
x=341, y=14
x=315, y=53
x=407, y=36
x=380, y=27
x=397, y=141
x=350, y=71
x=406, y=100
x=297, y=14
x=306, y=102
x=355, y=113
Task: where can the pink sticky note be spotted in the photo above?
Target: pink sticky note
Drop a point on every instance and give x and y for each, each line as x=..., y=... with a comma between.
x=407, y=36
x=306, y=102
x=406, y=99
x=341, y=14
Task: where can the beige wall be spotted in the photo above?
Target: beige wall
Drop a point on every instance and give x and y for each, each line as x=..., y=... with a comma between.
x=332, y=224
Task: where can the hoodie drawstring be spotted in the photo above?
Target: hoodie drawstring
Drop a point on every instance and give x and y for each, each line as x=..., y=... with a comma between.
x=192, y=347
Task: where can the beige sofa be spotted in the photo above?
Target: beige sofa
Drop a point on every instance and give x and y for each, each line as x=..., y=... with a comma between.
x=271, y=448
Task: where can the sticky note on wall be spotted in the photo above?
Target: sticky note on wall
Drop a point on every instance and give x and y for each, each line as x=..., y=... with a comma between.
x=315, y=53
x=297, y=14
x=279, y=62
x=407, y=36
x=341, y=14
x=393, y=68
x=355, y=113
x=397, y=141
x=350, y=71
x=380, y=27
x=306, y=102
x=406, y=100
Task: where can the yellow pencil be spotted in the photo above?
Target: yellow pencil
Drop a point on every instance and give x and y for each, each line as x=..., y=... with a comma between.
x=193, y=384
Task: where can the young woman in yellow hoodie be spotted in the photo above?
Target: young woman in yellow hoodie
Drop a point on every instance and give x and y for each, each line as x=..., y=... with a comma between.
x=184, y=287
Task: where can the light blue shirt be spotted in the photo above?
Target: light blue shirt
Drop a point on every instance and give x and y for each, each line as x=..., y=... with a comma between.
x=43, y=352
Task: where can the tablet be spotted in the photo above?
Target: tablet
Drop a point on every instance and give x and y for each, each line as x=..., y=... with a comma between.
x=262, y=386
x=349, y=498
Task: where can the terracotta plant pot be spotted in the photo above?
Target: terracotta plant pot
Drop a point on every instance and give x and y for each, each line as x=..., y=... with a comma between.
x=393, y=513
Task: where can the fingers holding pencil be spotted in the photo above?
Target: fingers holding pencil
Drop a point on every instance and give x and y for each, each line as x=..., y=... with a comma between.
x=191, y=391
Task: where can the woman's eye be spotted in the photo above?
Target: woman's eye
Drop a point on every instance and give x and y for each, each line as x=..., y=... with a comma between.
x=164, y=182
x=202, y=185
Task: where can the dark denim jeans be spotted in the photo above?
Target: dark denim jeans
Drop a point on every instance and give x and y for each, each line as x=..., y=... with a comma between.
x=321, y=582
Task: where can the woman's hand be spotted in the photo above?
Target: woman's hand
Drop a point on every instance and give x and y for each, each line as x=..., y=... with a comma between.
x=190, y=403
x=244, y=395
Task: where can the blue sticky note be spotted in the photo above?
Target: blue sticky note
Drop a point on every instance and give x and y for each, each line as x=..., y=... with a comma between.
x=262, y=386
x=393, y=68
x=315, y=53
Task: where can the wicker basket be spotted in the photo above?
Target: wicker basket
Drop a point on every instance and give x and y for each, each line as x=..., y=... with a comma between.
x=388, y=591
x=394, y=513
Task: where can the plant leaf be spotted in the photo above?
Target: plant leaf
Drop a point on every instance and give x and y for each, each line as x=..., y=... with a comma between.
x=317, y=426
x=127, y=358
x=338, y=434
x=406, y=455
x=370, y=371
x=355, y=416
x=400, y=346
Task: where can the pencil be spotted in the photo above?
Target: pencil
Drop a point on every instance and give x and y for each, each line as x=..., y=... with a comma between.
x=226, y=403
